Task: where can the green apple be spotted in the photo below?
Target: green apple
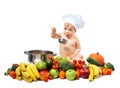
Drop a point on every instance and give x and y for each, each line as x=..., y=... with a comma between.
x=65, y=59
x=54, y=73
x=70, y=74
x=40, y=65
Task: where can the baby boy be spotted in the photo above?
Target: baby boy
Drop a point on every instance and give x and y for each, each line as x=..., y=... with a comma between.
x=71, y=48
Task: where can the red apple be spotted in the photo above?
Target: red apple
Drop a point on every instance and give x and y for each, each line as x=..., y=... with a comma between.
x=84, y=72
x=44, y=74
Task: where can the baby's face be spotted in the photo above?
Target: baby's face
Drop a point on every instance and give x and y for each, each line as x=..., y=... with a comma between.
x=69, y=30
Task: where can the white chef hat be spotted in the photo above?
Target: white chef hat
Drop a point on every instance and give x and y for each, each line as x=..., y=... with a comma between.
x=75, y=20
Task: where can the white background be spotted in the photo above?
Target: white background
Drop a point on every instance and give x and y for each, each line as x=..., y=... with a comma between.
x=24, y=25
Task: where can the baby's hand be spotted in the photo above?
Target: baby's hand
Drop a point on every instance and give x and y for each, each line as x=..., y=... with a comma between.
x=53, y=29
x=72, y=56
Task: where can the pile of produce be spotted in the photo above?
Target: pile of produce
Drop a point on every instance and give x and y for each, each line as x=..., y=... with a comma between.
x=60, y=67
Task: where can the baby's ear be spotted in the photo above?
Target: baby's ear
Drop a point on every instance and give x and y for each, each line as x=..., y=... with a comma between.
x=74, y=29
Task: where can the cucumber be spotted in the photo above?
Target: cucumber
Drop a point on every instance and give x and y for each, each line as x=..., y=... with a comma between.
x=92, y=61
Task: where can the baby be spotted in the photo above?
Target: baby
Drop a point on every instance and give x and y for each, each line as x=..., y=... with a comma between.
x=71, y=48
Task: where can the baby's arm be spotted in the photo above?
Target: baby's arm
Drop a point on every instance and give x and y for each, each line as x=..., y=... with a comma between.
x=54, y=34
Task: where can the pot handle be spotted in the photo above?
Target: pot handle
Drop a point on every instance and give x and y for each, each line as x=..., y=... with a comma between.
x=54, y=54
x=27, y=52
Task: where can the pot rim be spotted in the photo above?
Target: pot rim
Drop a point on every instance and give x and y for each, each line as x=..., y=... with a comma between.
x=43, y=52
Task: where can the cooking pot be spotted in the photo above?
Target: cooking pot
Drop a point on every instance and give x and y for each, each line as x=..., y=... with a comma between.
x=34, y=55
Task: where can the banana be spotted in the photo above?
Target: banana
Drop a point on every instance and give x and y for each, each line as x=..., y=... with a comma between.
x=95, y=70
x=18, y=77
x=34, y=70
x=100, y=71
x=31, y=73
x=23, y=66
x=27, y=79
x=25, y=74
x=91, y=75
x=18, y=71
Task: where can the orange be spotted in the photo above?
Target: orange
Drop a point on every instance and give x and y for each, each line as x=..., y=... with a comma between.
x=62, y=74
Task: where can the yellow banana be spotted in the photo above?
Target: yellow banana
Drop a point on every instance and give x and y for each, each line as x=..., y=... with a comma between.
x=23, y=66
x=91, y=75
x=31, y=73
x=18, y=71
x=25, y=74
x=27, y=79
x=95, y=70
x=34, y=70
x=19, y=77
x=100, y=71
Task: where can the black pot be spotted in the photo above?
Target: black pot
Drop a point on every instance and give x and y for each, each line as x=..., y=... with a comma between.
x=38, y=54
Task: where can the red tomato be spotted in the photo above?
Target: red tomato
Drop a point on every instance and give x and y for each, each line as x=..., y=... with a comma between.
x=74, y=61
x=104, y=71
x=46, y=79
x=56, y=66
x=82, y=61
x=53, y=62
x=12, y=74
x=76, y=65
x=50, y=57
x=53, y=66
x=80, y=66
x=50, y=77
x=79, y=61
x=56, y=61
x=109, y=71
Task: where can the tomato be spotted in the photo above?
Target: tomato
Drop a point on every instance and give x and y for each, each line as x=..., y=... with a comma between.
x=46, y=79
x=109, y=71
x=76, y=65
x=53, y=66
x=104, y=71
x=53, y=62
x=56, y=66
x=79, y=61
x=82, y=61
x=80, y=66
x=50, y=77
x=75, y=61
x=12, y=74
x=56, y=61
x=50, y=57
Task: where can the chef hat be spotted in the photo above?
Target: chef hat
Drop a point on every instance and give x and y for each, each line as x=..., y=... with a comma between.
x=75, y=20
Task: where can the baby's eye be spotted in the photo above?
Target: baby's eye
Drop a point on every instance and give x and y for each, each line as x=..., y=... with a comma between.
x=65, y=28
x=70, y=29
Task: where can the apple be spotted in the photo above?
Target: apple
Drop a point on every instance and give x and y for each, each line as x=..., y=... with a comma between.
x=40, y=65
x=84, y=72
x=70, y=74
x=54, y=73
x=44, y=74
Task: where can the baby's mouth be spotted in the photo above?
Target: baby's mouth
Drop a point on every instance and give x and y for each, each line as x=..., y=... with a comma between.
x=67, y=35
